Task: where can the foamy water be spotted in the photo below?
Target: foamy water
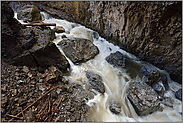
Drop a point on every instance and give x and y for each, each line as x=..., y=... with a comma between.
x=116, y=80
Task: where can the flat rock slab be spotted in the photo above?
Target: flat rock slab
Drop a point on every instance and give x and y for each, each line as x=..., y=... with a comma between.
x=143, y=98
x=78, y=50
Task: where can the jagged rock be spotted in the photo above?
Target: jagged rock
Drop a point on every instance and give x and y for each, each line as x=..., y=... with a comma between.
x=158, y=88
x=53, y=75
x=115, y=107
x=143, y=98
x=96, y=82
x=151, y=73
x=35, y=49
x=166, y=101
x=178, y=94
x=59, y=29
x=78, y=50
x=164, y=81
x=29, y=13
x=116, y=59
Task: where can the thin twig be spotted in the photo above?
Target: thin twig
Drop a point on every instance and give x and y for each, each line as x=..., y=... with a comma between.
x=14, y=116
x=33, y=103
x=59, y=103
x=23, y=114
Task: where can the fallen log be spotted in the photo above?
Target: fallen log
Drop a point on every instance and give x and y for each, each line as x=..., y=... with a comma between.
x=39, y=24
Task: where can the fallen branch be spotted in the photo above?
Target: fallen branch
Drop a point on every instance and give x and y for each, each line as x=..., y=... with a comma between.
x=33, y=103
x=39, y=24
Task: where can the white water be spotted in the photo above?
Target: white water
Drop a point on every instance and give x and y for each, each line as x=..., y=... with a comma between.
x=116, y=81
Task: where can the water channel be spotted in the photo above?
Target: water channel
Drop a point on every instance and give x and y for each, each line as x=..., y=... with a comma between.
x=116, y=80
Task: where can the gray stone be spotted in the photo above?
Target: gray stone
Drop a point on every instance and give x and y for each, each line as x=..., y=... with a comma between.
x=143, y=98
x=158, y=88
x=115, y=107
x=59, y=29
x=151, y=73
x=78, y=50
x=29, y=13
x=117, y=59
x=96, y=82
x=178, y=94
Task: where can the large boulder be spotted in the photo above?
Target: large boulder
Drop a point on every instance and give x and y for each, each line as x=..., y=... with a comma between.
x=143, y=98
x=78, y=50
x=35, y=49
x=117, y=59
x=9, y=27
x=96, y=82
x=29, y=13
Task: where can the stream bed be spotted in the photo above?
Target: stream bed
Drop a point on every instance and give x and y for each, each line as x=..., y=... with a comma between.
x=116, y=80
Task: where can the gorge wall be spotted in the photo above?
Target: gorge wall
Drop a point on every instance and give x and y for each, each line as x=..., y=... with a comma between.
x=152, y=31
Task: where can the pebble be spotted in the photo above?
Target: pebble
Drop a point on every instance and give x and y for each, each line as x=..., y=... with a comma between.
x=29, y=74
x=25, y=69
x=20, y=82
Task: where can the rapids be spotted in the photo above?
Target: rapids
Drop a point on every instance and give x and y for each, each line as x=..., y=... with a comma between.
x=116, y=80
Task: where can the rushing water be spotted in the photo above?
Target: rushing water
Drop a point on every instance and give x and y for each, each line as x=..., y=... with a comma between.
x=116, y=80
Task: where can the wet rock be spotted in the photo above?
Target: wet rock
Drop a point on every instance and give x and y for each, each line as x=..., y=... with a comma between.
x=54, y=75
x=143, y=98
x=115, y=107
x=95, y=35
x=29, y=13
x=166, y=101
x=116, y=59
x=151, y=73
x=59, y=29
x=165, y=82
x=158, y=88
x=80, y=93
x=96, y=82
x=178, y=94
x=78, y=50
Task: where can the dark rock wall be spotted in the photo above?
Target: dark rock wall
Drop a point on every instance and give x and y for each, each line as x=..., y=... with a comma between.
x=150, y=30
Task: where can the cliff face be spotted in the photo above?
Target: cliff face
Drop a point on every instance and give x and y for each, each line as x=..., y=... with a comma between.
x=150, y=30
